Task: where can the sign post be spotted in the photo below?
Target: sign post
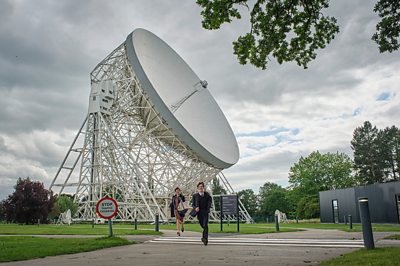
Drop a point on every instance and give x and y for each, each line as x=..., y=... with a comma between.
x=230, y=205
x=107, y=208
x=222, y=213
x=237, y=211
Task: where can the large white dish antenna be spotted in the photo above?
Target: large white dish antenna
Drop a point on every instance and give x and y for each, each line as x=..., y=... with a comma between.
x=182, y=99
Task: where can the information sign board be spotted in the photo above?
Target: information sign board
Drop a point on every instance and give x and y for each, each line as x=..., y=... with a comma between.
x=229, y=204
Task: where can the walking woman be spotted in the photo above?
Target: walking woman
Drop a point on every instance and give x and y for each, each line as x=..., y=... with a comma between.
x=178, y=211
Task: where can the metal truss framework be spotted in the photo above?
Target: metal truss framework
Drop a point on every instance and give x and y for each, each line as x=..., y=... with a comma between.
x=130, y=154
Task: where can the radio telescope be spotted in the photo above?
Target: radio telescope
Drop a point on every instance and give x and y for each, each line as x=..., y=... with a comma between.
x=152, y=125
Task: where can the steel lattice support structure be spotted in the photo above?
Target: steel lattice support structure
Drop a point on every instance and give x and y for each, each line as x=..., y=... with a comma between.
x=129, y=153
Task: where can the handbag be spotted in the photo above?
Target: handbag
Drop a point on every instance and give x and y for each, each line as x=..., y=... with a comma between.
x=193, y=213
x=181, y=206
x=186, y=205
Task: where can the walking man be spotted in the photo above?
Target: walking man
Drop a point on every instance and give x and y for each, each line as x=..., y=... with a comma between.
x=202, y=205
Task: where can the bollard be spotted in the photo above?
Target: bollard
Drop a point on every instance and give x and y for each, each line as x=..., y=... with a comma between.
x=135, y=223
x=38, y=222
x=297, y=220
x=344, y=219
x=156, y=223
x=366, y=223
x=350, y=222
x=276, y=223
x=267, y=219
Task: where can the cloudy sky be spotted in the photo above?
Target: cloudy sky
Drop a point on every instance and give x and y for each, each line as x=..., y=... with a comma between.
x=48, y=49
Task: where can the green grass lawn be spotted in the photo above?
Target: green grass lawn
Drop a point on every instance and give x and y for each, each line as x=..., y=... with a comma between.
x=232, y=228
x=148, y=229
x=363, y=257
x=261, y=228
x=75, y=229
x=343, y=227
x=15, y=248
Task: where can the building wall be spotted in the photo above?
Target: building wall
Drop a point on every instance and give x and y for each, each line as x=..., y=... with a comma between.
x=382, y=202
x=346, y=204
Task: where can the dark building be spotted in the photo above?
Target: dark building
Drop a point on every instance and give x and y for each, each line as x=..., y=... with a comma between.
x=384, y=203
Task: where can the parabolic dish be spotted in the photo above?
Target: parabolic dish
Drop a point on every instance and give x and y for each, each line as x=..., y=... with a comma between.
x=182, y=99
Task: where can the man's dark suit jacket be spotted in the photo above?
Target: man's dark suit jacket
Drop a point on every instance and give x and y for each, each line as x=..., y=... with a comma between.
x=196, y=199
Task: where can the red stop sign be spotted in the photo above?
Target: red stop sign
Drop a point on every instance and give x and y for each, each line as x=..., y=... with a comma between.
x=107, y=208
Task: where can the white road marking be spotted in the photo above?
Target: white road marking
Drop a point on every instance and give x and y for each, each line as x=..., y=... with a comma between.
x=328, y=243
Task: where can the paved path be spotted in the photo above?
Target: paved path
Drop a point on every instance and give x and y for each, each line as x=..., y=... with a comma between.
x=291, y=248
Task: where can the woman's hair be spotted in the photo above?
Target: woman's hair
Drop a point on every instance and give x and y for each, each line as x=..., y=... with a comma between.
x=176, y=189
x=200, y=183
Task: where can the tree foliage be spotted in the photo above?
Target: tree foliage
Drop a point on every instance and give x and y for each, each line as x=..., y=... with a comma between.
x=388, y=28
x=276, y=200
x=273, y=197
x=62, y=204
x=376, y=153
x=217, y=189
x=2, y=211
x=267, y=188
x=291, y=30
x=314, y=173
x=29, y=203
x=318, y=172
x=249, y=200
x=308, y=207
x=390, y=152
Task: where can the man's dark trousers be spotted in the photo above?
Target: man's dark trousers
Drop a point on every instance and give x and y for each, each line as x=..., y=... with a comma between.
x=202, y=216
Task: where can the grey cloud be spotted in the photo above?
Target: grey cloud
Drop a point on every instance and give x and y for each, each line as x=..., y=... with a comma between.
x=6, y=10
x=3, y=147
x=38, y=146
x=24, y=109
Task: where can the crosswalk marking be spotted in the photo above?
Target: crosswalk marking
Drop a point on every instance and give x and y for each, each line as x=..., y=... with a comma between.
x=237, y=241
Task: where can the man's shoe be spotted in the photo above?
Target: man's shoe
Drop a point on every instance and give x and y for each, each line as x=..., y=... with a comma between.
x=203, y=240
x=206, y=241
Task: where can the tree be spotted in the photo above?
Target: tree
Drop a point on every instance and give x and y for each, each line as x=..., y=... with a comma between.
x=368, y=161
x=314, y=173
x=267, y=188
x=273, y=197
x=62, y=204
x=2, y=211
x=217, y=189
x=291, y=30
x=376, y=153
x=318, y=172
x=308, y=207
x=249, y=201
x=388, y=28
x=29, y=203
x=276, y=200
x=389, y=144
